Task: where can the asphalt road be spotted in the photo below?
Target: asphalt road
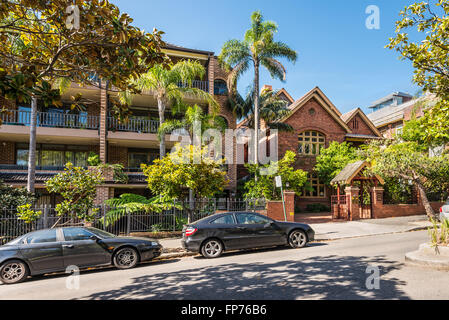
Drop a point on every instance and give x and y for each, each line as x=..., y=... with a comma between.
x=327, y=270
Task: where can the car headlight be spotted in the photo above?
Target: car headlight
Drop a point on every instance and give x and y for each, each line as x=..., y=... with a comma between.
x=154, y=243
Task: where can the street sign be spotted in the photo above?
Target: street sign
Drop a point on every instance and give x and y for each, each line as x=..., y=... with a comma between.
x=278, y=181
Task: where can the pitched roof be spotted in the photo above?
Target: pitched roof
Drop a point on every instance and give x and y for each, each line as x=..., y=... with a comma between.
x=323, y=100
x=351, y=114
x=389, y=114
x=350, y=171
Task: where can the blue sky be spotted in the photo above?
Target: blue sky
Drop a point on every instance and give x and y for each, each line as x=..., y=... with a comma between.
x=335, y=50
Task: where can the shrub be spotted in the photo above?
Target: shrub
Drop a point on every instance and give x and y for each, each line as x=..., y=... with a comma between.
x=317, y=207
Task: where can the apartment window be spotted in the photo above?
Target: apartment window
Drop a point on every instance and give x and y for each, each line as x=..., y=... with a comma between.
x=48, y=155
x=220, y=87
x=137, y=157
x=310, y=142
x=318, y=189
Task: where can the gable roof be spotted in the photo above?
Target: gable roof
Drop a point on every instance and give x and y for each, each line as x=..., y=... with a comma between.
x=351, y=114
x=287, y=95
x=350, y=171
x=323, y=100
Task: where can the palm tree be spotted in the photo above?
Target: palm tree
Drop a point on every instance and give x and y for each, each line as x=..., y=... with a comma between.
x=257, y=48
x=170, y=85
x=271, y=109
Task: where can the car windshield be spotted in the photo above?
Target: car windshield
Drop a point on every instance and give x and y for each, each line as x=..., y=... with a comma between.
x=100, y=233
x=15, y=241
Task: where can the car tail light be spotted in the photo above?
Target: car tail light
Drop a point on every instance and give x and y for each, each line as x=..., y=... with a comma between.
x=190, y=231
x=441, y=209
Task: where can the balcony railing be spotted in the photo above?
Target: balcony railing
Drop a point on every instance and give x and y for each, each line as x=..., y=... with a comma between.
x=133, y=125
x=199, y=84
x=51, y=119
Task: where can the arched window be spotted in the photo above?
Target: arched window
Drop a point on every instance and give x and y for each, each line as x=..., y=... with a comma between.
x=220, y=87
x=310, y=142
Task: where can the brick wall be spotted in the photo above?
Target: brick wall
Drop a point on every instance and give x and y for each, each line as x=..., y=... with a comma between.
x=275, y=209
x=7, y=152
x=402, y=210
x=361, y=127
x=118, y=155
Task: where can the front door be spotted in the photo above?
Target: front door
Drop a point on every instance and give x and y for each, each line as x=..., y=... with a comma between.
x=80, y=250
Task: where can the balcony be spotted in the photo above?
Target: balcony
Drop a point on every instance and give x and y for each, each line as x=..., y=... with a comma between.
x=133, y=125
x=199, y=84
x=51, y=120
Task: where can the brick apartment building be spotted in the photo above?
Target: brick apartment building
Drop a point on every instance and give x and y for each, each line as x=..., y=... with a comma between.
x=316, y=122
x=64, y=135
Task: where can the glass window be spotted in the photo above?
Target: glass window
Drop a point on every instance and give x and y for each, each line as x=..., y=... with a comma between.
x=42, y=236
x=48, y=155
x=249, y=218
x=318, y=189
x=220, y=87
x=102, y=234
x=228, y=219
x=310, y=142
x=74, y=234
x=135, y=159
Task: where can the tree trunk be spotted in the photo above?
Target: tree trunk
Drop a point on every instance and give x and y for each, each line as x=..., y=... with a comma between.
x=422, y=193
x=256, y=112
x=161, y=109
x=32, y=147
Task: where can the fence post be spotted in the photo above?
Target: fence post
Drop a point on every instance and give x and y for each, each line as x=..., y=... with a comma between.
x=174, y=215
x=45, y=216
x=128, y=224
x=104, y=216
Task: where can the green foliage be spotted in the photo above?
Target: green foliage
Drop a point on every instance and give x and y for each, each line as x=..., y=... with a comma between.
x=25, y=213
x=265, y=186
x=188, y=168
x=132, y=203
x=93, y=159
x=38, y=48
x=333, y=159
x=180, y=222
x=78, y=188
x=405, y=160
x=397, y=190
x=13, y=197
x=429, y=55
x=439, y=236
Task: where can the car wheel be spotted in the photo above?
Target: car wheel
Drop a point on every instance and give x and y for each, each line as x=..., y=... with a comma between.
x=13, y=271
x=297, y=239
x=212, y=248
x=126, y=258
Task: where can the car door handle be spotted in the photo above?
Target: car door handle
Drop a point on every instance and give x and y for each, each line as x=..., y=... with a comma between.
x=69, y=246
x=241, y=228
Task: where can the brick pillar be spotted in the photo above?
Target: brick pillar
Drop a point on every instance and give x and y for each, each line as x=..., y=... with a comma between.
x=352, y=194
x=211, y=74
x=103, y=192
x=289, y=197
x=377, y=200
x=103, y=125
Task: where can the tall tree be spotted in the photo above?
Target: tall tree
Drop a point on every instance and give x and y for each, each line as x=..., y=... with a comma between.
x=40, y=46
x=257, y=48
x=430, y=58
x=272, y=109
x=170, y=84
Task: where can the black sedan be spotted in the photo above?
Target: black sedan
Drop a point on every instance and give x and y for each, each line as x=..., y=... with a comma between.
x=242, y=230
x=53, y=250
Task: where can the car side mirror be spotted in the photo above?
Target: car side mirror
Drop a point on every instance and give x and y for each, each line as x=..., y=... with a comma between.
x=268, y=224
x=95, y=238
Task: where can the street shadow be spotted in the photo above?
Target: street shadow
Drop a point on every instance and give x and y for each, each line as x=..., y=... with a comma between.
x=98, y=270
x=329, y=277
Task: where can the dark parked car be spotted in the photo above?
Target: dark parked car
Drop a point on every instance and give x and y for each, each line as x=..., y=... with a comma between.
x=53, y=250
x=242, y=230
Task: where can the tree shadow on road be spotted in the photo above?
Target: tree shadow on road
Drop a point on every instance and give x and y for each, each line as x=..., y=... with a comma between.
x=330, y=277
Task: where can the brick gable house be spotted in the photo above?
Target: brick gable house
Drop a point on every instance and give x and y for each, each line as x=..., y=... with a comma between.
x=316, y=122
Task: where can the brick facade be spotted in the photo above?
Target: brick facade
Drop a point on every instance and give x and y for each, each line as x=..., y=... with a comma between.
x=7, y=152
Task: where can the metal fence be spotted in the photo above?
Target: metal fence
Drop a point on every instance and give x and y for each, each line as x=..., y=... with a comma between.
x=120, y=222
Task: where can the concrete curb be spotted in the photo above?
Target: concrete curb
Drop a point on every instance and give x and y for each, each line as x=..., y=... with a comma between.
x=173, y=255
x=435, y=262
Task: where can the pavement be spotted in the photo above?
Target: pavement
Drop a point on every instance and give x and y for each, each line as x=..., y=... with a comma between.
x=343, y=230
x=339, y=269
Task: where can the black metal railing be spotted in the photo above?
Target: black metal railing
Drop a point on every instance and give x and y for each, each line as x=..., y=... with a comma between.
x=133, y=125
x=51, y=119
x=199, y=84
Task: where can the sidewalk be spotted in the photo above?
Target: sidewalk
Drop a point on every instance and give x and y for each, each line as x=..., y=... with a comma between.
x=349, y=229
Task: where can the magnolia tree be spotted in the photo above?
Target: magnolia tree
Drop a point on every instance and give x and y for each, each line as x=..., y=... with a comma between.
x=78, y=188
x=265, y=187
x=48, y=44
x=406, y=160
x=187, y=168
